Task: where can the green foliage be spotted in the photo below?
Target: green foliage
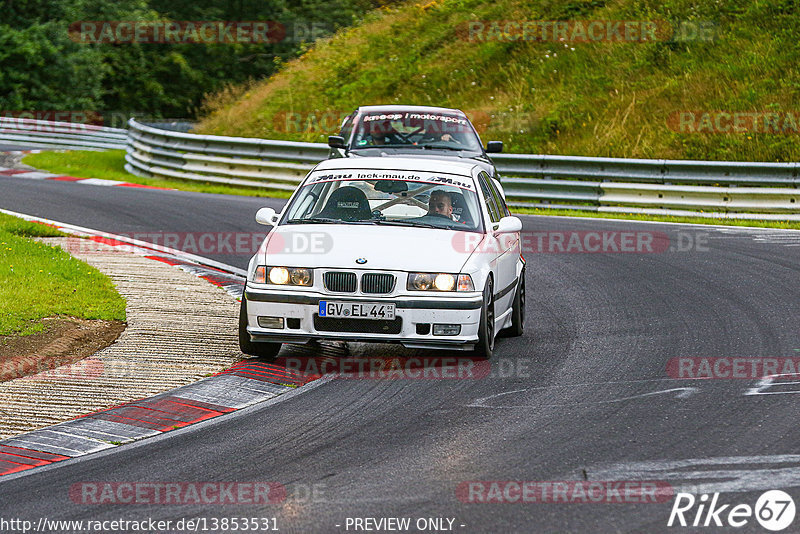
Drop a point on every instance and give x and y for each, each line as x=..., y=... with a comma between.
x=576, y=98
x=41, y=68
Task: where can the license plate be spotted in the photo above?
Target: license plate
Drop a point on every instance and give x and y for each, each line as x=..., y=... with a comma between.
x=356, y=310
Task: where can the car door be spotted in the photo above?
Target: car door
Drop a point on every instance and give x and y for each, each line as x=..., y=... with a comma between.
x=507, y=247
x=495, y=245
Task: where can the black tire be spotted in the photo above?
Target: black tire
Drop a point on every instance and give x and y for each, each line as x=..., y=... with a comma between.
x=261, y=349
x=485, y=346
x=517, y=327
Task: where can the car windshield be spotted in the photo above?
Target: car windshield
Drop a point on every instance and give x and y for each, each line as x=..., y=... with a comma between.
x=392, y=198
x=411, y=130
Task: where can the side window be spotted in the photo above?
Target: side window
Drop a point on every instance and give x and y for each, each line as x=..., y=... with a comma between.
x=498, y=198
x=347, y=127
x=488, y=196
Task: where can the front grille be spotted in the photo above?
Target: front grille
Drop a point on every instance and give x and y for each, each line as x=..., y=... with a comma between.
x=360, y=326
x=340, y=282
x=377, y=283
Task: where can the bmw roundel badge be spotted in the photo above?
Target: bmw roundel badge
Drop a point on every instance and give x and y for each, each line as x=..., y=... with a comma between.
x=361, y=261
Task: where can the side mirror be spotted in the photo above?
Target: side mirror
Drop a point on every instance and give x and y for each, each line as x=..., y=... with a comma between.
x=336, y=141
x=267, y=216
x=494, y=147
x=508, y=225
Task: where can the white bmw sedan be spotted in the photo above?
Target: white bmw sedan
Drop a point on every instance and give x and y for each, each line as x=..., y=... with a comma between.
x=379, y=249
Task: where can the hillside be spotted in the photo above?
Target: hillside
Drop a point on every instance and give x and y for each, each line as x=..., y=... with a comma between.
x=621, y=98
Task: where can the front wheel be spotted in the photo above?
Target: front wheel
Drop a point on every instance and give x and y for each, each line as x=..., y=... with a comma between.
x=485, y=346
x=518, y=310
x=261, y=349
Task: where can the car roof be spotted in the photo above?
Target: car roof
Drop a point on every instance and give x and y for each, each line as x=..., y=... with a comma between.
x=450, y=166
x=420, y=109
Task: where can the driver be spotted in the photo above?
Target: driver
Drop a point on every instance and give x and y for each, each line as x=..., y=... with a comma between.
x=383, y=133
x=440, y=203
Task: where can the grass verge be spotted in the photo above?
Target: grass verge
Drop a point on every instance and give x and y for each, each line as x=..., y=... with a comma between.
x=110, y=165
x=791, y=225
x=541, y=95
x=37, y=281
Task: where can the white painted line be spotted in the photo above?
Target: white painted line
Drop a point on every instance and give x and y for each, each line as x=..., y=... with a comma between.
x=30, y=175
x=34, y=443
x=98, y=181
x=144, y=244
x=683, y=392
x=768, y=382
x=34, y=175
x=735, y=473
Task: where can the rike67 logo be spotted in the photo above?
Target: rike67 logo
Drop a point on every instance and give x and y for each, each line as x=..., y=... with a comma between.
x=774, y=510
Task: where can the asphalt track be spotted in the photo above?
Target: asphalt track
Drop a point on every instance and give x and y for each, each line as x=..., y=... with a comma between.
x=584, y=395
x=8, y=147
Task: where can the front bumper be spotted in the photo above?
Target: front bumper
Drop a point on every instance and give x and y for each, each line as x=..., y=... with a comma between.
x=410, y=310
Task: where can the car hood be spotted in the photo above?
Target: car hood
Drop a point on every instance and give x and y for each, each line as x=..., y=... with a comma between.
x=396, y=248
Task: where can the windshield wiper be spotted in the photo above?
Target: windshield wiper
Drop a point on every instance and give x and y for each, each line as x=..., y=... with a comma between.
x=315, y=220
x=407, y=223
x=444, y=147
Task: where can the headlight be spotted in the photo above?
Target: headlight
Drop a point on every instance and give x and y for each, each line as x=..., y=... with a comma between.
x=279, y=275
x=439, y=282
x=300, y=277
x=444, y=282
x=292, y=276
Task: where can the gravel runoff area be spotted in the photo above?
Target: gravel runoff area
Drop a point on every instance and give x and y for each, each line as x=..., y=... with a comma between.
x=180, y=329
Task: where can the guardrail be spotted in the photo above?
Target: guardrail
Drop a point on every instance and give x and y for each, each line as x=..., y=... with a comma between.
x=245, y=161
x=60, y=135
x=670, y=187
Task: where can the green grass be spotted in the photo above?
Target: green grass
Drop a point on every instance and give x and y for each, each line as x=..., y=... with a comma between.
x=110, y=165
x=37, y=281
x=793, y=225
x=592, y=99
